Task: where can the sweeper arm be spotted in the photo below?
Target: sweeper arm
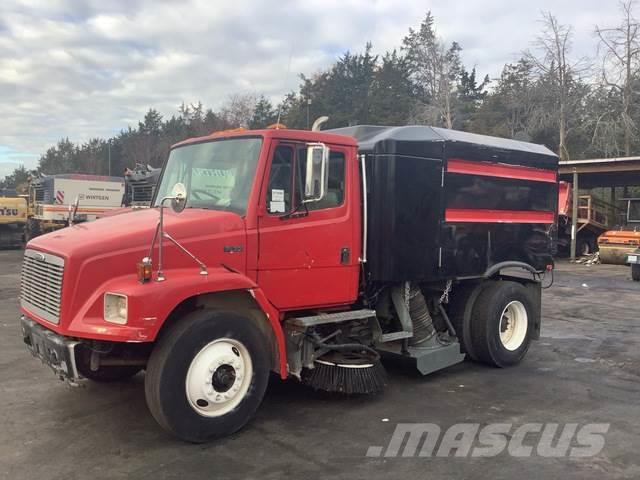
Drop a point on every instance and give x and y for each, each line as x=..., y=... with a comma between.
x=493, y=320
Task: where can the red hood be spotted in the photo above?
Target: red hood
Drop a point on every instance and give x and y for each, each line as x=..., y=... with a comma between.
x=99, y=251
x=134, y=229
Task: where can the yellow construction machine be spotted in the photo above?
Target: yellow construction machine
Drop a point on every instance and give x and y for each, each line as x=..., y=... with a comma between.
x=13, y=217
x=615, y=245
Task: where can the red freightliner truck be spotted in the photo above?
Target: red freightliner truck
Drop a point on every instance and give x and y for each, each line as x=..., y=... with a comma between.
x=310, y=254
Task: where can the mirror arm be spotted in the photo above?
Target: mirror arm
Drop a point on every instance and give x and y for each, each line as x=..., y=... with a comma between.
x=153, y=242
x=160, y=234
x=160, y=276
x=203, y=267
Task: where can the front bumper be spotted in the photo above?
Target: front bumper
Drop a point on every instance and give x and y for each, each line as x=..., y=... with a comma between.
x=54, y=350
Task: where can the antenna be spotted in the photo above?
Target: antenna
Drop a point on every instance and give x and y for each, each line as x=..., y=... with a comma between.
x=288, y=72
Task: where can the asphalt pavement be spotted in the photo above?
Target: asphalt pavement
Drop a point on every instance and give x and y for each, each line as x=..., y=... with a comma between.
x=584, y=370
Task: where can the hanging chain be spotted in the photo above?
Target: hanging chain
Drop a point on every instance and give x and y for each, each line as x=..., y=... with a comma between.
x=444, y=298
x=407, y=292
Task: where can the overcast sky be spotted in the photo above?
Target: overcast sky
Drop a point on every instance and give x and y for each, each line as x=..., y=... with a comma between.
x=89, y=68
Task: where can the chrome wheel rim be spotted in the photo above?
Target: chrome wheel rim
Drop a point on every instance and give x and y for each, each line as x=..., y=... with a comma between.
x=219, y=377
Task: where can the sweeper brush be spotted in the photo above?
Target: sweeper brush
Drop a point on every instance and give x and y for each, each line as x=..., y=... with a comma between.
x=347, y=372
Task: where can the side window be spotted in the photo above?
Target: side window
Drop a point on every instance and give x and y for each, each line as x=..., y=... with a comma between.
x=280, y=180
x=334, y=196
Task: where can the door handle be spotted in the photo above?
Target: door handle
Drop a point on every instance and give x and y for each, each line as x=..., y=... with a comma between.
x=345, y=256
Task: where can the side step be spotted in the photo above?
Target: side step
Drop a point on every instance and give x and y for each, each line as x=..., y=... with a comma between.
x=322, y=318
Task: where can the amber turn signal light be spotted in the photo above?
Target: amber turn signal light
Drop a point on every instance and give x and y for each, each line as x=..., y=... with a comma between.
x=144, y=270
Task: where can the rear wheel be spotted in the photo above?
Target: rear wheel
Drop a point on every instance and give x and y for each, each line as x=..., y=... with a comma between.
x=635, y=272
x=502, y=323
x=207, y=375
x=585, y=246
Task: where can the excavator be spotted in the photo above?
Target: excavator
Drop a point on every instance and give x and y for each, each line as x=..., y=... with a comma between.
x=13, y=217
x=616, y=245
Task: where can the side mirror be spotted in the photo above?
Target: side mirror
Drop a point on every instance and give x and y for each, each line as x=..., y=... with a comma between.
x=317, y=172
x=179, y=197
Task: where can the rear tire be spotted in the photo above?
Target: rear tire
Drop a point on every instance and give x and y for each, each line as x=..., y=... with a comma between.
x=207, y=375
x=635, y=272
x=502, y=324
x=585, y=246
x=460, y=311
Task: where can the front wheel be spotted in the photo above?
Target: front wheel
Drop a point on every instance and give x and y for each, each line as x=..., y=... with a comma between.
x=502, y=323
x=207, y=375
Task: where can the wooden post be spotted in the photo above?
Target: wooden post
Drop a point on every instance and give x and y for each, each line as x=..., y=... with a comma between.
x=613, y=211
x=574, y=215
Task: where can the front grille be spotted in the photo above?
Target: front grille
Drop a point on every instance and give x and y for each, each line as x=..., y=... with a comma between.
x=142, y=193
x=41, y=284
x=39, y=194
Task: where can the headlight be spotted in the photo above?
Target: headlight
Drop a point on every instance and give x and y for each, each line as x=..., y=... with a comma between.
x=115, y=308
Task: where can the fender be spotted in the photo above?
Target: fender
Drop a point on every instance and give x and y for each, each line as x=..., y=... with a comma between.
x=273, y=315
x=493, y=269
x=149, y=305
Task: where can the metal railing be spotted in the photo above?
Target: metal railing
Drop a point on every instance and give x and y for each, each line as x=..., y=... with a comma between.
x=593, y=211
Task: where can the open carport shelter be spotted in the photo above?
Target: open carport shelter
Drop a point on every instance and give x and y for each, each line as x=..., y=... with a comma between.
x=598, y=173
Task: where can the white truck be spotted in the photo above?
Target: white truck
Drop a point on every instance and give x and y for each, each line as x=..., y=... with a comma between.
x=52, y=197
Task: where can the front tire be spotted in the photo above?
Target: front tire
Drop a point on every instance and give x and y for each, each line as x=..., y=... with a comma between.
x=207, y=375
x=502, y=324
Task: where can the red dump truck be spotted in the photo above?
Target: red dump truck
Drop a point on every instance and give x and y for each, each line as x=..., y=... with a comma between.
x=310, y=254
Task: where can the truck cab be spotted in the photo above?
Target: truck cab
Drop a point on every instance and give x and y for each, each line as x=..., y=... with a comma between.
x=310, y=254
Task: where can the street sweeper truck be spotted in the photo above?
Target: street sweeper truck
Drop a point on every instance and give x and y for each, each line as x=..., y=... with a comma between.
x=317, y=255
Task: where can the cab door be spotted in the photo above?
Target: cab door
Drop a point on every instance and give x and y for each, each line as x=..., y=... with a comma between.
x=308, y=253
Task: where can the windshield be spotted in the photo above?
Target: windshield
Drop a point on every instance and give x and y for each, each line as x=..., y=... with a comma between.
x=218, y=174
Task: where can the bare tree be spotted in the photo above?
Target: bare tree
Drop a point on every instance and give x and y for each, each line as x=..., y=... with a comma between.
x=621, y=64
x=238, y=109
x=558, y=71
x=435, y=69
